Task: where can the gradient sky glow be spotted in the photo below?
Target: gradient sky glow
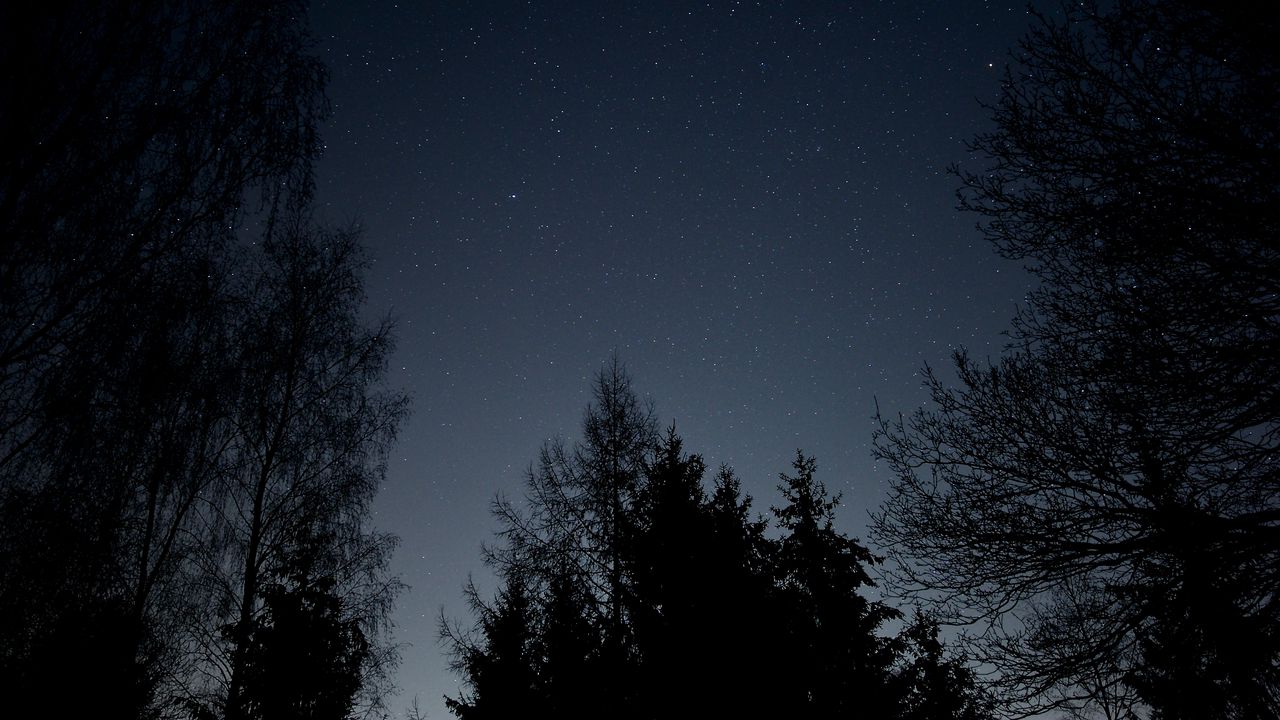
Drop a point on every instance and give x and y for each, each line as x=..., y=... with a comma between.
x=748, y=202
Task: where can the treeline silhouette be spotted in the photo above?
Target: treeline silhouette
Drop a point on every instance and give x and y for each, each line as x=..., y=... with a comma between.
x=191, y=425
x=632, y=588
x=193, y=422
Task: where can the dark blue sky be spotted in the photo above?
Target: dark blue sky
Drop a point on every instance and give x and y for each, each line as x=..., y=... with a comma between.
x=748, y=202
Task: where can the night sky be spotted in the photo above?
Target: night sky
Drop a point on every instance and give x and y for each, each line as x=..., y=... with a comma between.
x=748, y=202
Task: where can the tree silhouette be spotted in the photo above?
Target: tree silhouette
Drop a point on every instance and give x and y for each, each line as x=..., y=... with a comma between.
x=575, y=671
x=153, y=189
x=138, y=134
x=672, y=604
x=314, y=428
x=501, y=665
x=931, y=684
x=305, y=655
x=578, y=500
x=746, y=623
x=1111, y=482
x=719, y=618
x=837, y=663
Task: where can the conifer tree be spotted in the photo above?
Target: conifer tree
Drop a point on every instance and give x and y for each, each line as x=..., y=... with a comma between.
x=745, y=618
x=931, y=685
x=575, y=669
x=838, y=662
x=720, y=619
x=501, y=665
x=670, y=597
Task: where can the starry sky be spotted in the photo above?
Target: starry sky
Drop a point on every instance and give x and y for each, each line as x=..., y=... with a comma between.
x=748, y=202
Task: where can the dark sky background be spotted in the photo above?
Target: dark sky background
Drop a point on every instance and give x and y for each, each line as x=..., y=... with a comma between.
x=748, y=202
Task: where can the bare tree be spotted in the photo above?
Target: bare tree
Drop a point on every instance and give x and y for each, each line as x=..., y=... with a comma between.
x=1104, y=501
x=139, y=137
x=313, y=427
x=576, y=496
x=191, y=419
x=136, y=134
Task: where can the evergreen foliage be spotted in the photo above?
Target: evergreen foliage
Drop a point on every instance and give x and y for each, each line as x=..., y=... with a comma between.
x=722, y=614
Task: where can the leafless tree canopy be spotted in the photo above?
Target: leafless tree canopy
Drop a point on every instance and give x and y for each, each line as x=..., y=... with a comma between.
x=1102, y=503
x=192, y=423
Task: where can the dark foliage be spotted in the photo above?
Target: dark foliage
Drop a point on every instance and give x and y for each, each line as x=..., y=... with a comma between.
x=305, y=654
x=838, y=664
x=503, y=667
x=718, y=618
x=930, y=684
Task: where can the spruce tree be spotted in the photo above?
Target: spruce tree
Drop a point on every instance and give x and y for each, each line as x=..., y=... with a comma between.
x=837, y=662
x=500, y=667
